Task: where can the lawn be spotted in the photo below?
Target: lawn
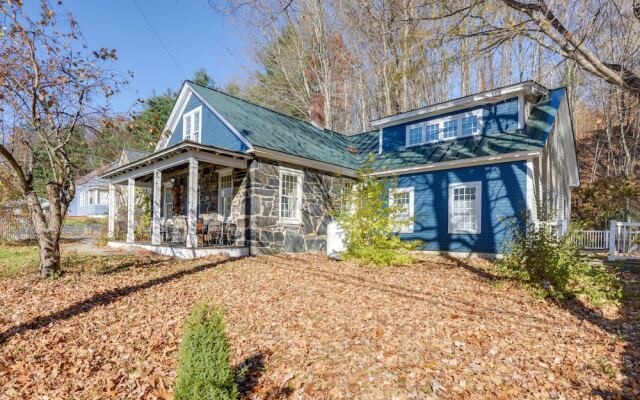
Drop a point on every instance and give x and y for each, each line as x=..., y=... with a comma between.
x=307, y=327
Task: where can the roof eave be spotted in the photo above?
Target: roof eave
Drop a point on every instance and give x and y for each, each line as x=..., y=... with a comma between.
x=462, y=102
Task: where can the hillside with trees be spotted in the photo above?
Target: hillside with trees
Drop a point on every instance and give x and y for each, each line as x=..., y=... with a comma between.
x=343, y=63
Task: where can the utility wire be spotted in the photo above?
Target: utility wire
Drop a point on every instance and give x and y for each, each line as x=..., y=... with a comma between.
x=159, y=38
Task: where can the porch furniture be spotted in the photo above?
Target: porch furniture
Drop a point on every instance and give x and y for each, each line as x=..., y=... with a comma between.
x=214, y=232
x=179, y=229
x=229, y=234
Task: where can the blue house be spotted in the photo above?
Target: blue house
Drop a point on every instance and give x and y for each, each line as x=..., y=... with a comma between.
x=466, y=170
x=92, y=191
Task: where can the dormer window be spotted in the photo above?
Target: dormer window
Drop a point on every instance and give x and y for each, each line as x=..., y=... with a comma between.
x=192, y=125
x=445, y=128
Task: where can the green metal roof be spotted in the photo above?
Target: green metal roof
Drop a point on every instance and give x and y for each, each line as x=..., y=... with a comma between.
x=276, y=131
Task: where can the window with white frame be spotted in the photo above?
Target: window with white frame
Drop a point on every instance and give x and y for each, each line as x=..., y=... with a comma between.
x=83, y=199
x=415, y=136
x=404, y=199
x=465, y=207
x=450, y=129
x=192, y=125
x=432, y=133
x=290, y=195
x=167, y=201
x=346, y=196
x=225, y=193
x=98, y=196
x=469, y=125
x=446, y=128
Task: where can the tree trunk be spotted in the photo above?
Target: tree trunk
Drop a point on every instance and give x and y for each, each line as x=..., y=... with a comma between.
x=49, y=255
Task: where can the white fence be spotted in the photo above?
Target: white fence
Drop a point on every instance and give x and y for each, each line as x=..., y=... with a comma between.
x=590, y=240
x=624, y=240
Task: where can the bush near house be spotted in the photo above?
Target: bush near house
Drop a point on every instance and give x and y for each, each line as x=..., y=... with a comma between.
x=371, y=224
x=555, y=267
x=204, y=370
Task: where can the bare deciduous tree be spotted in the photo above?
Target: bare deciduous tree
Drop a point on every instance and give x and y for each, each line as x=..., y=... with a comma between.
x=49, y=89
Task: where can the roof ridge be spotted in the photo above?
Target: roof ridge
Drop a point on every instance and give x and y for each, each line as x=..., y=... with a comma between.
x=270, y=109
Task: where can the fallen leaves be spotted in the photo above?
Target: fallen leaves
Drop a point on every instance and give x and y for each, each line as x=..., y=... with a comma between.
x=301, y=327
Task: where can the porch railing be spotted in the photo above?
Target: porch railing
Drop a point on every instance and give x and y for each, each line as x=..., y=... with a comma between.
x=590, y=239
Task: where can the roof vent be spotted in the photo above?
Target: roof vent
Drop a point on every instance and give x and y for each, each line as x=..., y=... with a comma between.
x=352, y=149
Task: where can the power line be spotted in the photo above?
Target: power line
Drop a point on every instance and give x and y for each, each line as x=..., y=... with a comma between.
x=159, y=39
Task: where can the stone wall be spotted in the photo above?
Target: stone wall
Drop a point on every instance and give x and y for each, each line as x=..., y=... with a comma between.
x=266, y=234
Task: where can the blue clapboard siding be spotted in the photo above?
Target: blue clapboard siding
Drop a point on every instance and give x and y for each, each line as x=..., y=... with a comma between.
x=76, y=210
x=497, y=118
x=214, y=131
x=503, y=199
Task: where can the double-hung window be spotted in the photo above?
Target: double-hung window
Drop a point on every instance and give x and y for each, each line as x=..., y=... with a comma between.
x=290, y=195
x=225, y=190
x=465, y=201
x=403, y=199
x=192, y=125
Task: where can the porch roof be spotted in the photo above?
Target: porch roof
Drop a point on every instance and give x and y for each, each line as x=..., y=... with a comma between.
x=178, y=153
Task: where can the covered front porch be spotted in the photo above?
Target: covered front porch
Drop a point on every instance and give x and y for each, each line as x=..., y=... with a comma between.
x=186, y=201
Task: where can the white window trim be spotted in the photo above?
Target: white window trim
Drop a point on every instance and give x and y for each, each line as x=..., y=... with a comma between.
x=405, y=228
x=290, y=171
x=440, y=121
x=166, y=187
x=222, y=173
x=478, y=186
x=197, y=110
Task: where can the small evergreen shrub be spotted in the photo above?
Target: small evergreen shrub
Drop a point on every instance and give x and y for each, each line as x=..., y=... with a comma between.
x=371, y=224
x=204, y=370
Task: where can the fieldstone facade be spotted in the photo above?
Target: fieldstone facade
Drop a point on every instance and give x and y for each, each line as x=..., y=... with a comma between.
x=266, y=233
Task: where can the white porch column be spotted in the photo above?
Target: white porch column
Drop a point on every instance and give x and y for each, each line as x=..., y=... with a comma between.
x=112, y=211
x=131, y=210
x=192, y=203
x=157, y=196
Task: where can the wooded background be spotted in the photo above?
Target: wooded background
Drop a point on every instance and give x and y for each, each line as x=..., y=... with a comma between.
x=343, y=63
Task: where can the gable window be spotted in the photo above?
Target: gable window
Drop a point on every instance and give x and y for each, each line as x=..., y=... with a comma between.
x=403, y=197
x=290, y=195
x=192, y=125
x=445, y=128
x=225, y=193
x=465, y=207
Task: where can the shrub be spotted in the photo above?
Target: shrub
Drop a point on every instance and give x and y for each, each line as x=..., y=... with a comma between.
x=204, y=370
x=370, y=224
x=553, y=265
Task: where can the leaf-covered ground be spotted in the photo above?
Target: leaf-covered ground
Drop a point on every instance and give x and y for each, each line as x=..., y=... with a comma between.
x=306, y=327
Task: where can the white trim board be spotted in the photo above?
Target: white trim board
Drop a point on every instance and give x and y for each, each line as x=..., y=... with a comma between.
x=470, y=162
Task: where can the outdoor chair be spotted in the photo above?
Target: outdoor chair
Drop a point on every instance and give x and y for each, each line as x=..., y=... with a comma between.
x=229, y=234
x=214, y=232
x=179, y=229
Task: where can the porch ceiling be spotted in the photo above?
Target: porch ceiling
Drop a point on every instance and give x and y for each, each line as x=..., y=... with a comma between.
x=175, y=155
